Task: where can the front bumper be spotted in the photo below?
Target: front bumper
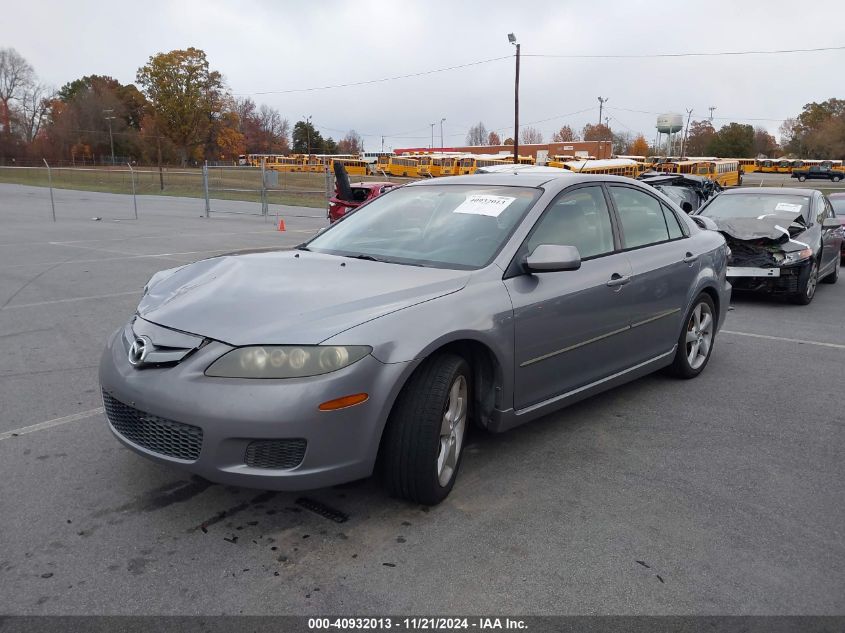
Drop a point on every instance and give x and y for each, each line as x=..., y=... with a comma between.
x=236, y=415
x=776, y=280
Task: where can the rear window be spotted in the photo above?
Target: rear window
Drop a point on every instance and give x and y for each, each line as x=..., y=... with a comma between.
x=757, y=205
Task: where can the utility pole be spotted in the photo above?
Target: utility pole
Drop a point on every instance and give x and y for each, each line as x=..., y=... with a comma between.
x=432, y=136
x=308, y=132
x=110, y=118
x=512, y=40
x=711, y=108
x=686, y=131
x=441, y=133
x=602, y=101
x=382, y=144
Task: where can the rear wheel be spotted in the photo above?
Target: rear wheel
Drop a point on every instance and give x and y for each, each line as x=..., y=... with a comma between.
x=837, y=178
x=802, y=178
x=696, y=341
x=425, y=435
x=807, y=287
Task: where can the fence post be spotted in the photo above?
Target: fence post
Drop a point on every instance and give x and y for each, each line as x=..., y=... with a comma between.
x=134, y=197
x=50, y=182
x=205, y=188
x=329, y=187
x=264, y=205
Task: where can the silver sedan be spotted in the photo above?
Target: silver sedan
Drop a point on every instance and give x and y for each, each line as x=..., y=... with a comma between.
x=487, y=299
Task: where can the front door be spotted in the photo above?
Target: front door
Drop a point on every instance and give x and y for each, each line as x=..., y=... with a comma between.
x=571, y=327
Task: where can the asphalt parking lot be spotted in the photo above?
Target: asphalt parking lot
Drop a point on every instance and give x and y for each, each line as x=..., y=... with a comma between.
x=721, y=495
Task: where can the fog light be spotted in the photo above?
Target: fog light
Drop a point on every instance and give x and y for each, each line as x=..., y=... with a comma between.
x=344, y=402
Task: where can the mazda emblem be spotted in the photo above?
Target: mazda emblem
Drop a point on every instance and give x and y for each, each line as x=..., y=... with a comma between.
x=140, y=349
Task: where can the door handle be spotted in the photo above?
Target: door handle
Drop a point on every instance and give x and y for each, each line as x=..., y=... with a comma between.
x=689, y=258
x=617, y=280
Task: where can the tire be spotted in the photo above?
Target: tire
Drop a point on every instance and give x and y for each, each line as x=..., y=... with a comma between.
x=837, y=178
x=426, y=431
x=701, y=332
x=833, y=277
x=802, y=178
x=807, y=287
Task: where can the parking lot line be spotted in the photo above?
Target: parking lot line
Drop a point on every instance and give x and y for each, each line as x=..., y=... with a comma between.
x=51, y=423
x=47, y=303
x=785, y=339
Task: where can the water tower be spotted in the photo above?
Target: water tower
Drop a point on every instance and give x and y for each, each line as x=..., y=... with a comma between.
x=669, y=125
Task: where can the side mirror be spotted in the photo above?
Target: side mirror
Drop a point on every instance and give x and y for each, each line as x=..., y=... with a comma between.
x=831, y=223
x=548, y=258
x=705, y=223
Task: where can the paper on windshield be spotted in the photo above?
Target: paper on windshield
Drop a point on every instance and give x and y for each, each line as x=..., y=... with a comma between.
x=788, y=206
x=482, y=204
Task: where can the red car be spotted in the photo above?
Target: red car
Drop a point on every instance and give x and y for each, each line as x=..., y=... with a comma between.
x=838, y=202
x=359, y=193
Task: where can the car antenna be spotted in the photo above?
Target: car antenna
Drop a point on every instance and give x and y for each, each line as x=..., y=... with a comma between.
x=584, y=165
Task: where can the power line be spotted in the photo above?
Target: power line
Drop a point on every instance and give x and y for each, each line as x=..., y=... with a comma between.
x=710, y=54
x=722, y=118
x=375, y=81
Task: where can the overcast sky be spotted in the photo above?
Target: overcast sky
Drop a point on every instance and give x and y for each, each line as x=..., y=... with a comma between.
x=261, y=47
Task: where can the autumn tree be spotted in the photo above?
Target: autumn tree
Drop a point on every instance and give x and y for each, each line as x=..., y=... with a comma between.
x=699, y=137
x=530, y=135
x=598, y=132
x=817, y=132
x=265, y=130
x=508, y=141
x=564, y=135
x=185, y=94
x=638, y=147
x=477, y=135
x=493, y=138
x=352, y=143
x=764, y=143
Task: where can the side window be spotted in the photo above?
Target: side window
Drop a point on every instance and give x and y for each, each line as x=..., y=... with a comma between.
x=672, y=224
x=641, y=217
x=578, y=218
x=821, y=209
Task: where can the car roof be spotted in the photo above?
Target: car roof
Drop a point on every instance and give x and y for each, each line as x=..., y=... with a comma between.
x=521, y=179
x=787, y=191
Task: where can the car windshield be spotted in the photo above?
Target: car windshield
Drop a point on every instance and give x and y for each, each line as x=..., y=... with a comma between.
x=756, y=205
x=446, y=226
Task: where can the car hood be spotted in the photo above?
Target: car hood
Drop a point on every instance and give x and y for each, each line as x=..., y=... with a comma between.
x=287, y=297
x=775, y=227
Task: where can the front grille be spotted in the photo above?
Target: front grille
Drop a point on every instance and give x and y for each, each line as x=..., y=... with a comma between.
x=159, y=435
x=275, y=453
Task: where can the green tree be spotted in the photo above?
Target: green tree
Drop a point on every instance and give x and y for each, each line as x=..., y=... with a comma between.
x=307, y=140
x=186, y=96
x=734, y=140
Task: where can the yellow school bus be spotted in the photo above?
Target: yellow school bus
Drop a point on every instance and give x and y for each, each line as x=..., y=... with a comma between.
x=611, y=166
x=680, y=166
x=435, y=166
x=382, y=162
x=748, y=165
x=404, y=167
x=353, y=167
x=725, y=172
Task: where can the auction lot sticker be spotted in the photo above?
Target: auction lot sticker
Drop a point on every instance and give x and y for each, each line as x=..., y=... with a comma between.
x=482, y=204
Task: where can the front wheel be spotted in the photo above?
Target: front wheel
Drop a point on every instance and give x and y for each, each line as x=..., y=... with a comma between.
x=802, y=178
x=696, y=341
x=426, y=431
x=837, y=178
x=807, y=287
x=833, y=277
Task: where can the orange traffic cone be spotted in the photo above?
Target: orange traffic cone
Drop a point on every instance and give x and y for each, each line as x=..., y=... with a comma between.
x=281, y=224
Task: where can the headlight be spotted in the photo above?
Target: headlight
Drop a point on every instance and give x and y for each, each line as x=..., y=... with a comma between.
x=285, y=361
x=797, y=256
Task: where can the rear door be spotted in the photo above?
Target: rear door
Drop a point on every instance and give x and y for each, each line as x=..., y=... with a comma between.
x=571, y=327
x=665, y=263
x=831, y=241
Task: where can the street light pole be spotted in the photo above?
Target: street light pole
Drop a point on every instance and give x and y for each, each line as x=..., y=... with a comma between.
x=111, y=137
x=308, y=133
x=512, y=40
x=441, y=133
x=432, y=136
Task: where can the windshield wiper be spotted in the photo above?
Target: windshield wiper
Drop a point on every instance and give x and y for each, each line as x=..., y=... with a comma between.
x=301, y=247
x=369, y=258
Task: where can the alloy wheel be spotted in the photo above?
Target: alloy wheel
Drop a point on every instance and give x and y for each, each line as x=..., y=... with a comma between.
x=452, y=430
x=699, y=335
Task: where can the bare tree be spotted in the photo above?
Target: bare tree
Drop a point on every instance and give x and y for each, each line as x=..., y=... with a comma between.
x=16, y=75
x=352, y=143
x=531, y=135
x=33, y=110
x=477, y=134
